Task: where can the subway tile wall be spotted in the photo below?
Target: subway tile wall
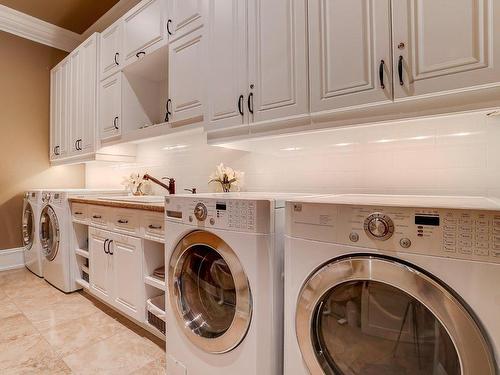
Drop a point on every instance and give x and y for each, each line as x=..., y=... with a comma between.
x=448, y=155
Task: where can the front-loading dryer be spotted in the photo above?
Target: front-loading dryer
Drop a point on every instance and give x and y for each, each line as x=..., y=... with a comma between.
x=31, y=240
x=225, y=290
x=392, y=285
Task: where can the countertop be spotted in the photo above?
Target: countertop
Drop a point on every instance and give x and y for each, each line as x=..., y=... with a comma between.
x=146, y=206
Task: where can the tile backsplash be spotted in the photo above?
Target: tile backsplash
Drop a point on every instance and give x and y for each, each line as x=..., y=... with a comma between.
x=452, y=155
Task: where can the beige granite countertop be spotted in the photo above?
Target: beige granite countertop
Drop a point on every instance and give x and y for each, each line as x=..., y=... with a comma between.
x=156, y=207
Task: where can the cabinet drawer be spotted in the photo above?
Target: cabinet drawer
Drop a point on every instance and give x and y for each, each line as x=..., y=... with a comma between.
x=126, y=221
x=99, y=216
x=153, y=226
x=79, y=212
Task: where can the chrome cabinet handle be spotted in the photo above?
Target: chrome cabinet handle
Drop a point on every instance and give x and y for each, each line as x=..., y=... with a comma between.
x=400, y=70
x=151, y=226
x=381, y=74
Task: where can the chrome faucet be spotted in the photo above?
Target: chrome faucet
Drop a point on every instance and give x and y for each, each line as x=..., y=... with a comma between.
x=171, y=182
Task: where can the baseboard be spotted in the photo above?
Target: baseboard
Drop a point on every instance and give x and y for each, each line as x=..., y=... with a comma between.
x=11, y=259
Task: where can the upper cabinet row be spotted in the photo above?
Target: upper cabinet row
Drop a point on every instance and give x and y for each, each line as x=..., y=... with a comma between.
x=254, y=67
x=363, y=61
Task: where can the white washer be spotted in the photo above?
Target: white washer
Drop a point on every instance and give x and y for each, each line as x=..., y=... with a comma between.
x=225, y=291
x=55, y=228
x=31, y=241
x=392, y=285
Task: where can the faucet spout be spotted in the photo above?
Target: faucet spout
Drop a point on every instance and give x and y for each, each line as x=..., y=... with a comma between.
x=171, y=183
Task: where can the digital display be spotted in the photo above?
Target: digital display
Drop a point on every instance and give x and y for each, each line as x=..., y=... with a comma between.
x=427, y=220
x=220, y=206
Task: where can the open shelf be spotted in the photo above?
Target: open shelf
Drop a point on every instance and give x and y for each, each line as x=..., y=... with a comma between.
x=82, y=252
x=155, y=282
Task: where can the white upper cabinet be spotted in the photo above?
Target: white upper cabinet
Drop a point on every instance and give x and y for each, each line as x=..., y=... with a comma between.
x=185, y=16
x=277, y=56
x=110, y=107
x=111, y=50
x=186, y=82
x=226, y=64
x=88, y=125
x=440, y=46
x=76, y=104
x=144, y=29
x=350, y=61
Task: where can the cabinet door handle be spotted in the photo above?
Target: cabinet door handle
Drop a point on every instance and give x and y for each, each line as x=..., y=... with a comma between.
x=151, y=226
x=240, y=104
x=109, y=249
x=97, y=216
x=168, y=27
x=117, y=56
x=104, y=246
x=80, y=145
x=138, y=54
x=78, y=213
x=115, y=122
x=123, y=221
x=169, y=112
x=56, y=151
x=381, y=74
x=400, y=70
x=250, y=103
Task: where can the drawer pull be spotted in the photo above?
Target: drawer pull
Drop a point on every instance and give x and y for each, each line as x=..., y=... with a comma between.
x=121, y=221
x=151, y=226
x=78, y=213
x=97, y=216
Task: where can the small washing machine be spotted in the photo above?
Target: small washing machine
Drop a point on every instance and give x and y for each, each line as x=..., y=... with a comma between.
x=31, y=241
x=55, y=230
x=392, y=285
x=224, y=280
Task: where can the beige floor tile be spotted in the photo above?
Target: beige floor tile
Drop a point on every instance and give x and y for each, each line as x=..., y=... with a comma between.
x=30, y=355
x=15, y=327
x=119, y=354
x=80, y=333
x=56, y=310
x=157, y=367
x=8, y=308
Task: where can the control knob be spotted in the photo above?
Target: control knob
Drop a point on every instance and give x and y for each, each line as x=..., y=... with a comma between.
x=379, y=226
x=200, y=212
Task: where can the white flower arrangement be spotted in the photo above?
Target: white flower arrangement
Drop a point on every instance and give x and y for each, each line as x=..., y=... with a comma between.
x=227, y=178
x=136, y=184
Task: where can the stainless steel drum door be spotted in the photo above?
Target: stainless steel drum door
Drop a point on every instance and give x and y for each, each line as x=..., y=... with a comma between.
x=210, y=292
x=373, y=315
x=49, y=233
x=28, y=226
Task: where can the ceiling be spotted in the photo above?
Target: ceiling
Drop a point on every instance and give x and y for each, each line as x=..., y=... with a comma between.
x=74, y=15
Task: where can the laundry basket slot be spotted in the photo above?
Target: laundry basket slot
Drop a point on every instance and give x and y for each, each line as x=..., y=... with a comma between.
x=156, y=312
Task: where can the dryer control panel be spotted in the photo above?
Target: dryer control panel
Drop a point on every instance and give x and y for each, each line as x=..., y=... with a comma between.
x=243, y=215
x=453, y=233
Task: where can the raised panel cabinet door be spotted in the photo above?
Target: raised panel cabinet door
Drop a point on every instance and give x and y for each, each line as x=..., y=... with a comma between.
x=76, y=103
x=441, y=46
x=277, y=55
x=66, y=98
x=110, y=107
x=143, y=27
x=226, y=64
x=55, y=109
x=350, y=63
x=111, y=50
x=88, y=124
x=184, y=17
x=186, y=82
x=100, y=264
x=128, y=283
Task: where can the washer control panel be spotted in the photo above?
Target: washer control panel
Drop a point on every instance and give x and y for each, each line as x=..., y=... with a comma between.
x=243, y=215
x=453, y=233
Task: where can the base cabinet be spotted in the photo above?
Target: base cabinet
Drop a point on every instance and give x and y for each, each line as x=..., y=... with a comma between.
x=116, y=271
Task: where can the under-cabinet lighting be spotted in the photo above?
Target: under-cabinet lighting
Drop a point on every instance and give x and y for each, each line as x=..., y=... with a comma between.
x=291, y=149
x=174, y=147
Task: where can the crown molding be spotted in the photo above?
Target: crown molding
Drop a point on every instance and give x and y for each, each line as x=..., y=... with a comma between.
x=117, y=11
x=28, y=27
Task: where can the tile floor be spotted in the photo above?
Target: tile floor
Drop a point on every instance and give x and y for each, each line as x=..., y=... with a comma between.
x=44, y=331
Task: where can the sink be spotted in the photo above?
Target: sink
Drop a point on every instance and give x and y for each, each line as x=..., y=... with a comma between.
x=134, y=199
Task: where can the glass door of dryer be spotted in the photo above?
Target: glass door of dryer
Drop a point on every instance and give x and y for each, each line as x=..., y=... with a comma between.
x=368, y=315
x=28, y=226
x=210, y=291
x=49, y=233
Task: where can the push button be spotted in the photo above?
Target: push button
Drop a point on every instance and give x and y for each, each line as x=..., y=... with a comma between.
x=405, y=243
x=354, y=237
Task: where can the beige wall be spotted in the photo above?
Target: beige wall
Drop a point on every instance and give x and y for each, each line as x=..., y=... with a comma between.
x=24, y=131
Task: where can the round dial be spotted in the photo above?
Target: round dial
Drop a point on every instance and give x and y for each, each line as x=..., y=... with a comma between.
x=200, y=211
x=379, y=226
